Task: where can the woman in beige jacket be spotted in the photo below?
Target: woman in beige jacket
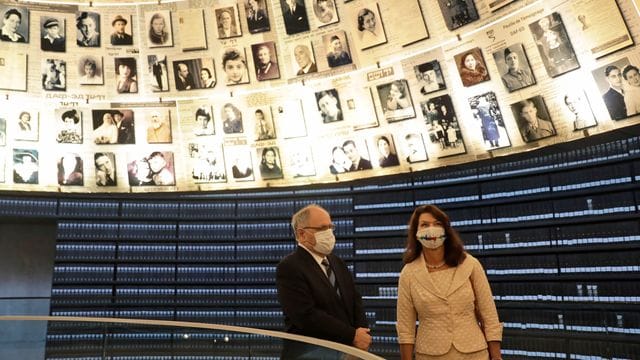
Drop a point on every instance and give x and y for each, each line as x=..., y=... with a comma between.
x=447, y=291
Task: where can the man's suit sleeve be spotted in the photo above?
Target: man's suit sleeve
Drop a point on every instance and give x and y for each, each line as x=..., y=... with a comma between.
x=298, y=304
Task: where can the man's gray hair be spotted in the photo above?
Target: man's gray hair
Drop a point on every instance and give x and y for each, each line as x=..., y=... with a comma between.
x=301, y=217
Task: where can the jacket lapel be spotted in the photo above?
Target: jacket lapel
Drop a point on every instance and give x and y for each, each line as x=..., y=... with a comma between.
x=462, y=274
x=419, y=268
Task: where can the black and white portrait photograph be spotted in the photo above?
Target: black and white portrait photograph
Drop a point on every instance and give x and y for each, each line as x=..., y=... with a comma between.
x=295, y=16
x=554, y=45
x=113, y=126
x=325, y=12
x=370, y=29
x=430, y=77
x=300, y=161
x=263, y=123
x=207, y=163
x=303, y=59
x=227, y=22
x=90, y=70
x=386, y=154
x=70, y=170
x=270, y=164
x=126, y=75
x=3, y=131
x=257, y=16
x=25, y=166
x=395, y=100
x=26, y=126
x=458, y=13
x=234, y=64
x=488, y=118
x=192, y=74
x=2, y=165
x=231, y=119
x=337, y=49
x=121, y=30
x=414, y=150
x=578, y=109
x=471, y=67
x=158, y=73
x=533, y=119
x=443, y=126
x=159, y=127
x=52, y=34
x=87, y=29
x=514, y=67
x=241, y=163
x=15, y=24
x=619, y=85
x=159, y=33
x=105, y=169
x=151, y=169
x=68, y=125
x=265, y=59
x=54, y=75
x=289, y=118
x=349, y=155
x=203, y=121
x=329, y=106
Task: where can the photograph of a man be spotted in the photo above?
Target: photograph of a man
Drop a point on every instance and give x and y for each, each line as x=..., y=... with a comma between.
x=609, y=80
x=123, y=119
x=184, y=78
x=295, y=16
x=514, y=67
x=52, y=35
x=329, y=106
x=105, y=169
x=265, y=60
x=119, y=35
x=353, y=153
x=88, y=24
x=305, y=61
x=532, y=117
x=337, y=49
x=25, y=166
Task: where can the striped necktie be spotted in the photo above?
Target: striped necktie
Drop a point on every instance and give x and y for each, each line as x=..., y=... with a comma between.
x=330, y=275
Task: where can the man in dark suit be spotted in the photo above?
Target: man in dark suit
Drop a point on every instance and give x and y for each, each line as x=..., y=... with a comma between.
x=317, y=292
x=614, y=97
x=295, y=17
x=52, y=40
x=126, y=133
x=119, y=36
x=302, y=54
x=357, y=161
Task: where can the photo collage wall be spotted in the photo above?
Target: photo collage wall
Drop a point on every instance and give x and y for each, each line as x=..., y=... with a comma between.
x=232, y=94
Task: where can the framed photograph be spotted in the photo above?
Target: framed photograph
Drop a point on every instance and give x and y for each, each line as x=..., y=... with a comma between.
x=257, y=16
x=303, y=60
x=263, y=123
x=192, y=29
x=337, y=49
x=329, y=106
x=121, y=30
x=295, y=16
x=553, y=44
x=300, y=161
x=270, y=164
x=430, y=77
x=512, y=62
x=386, y=152
x=489, y=120
x=207, y=163
x=27, y=126
x=2, y=166
x=113, y=126
x=413, y=147
x=231, y=119
x=52, y=34
x=13, y=70
x=578, y=109
x=458, y=13
x=370, y=28
x=25, y=166
x=3, y=132
x=471, y=67
x=289, y=119
x=203, y=124
x=54, y=75
x=234, y=64
x=158, y=73
x=151, y=169
x=325, y=12
x=159, y=127
x=601, y=26
x=69, y=126
x=241, y=162
x=88, y=29
x=160, y=33
x=15, y=23
x=395, y=100
x=349, y=155
x=184, y=71
x=265, y=59
x=618, y=93
x=533, y=119
x=499, y=4
x=443, y=126
x=90, y=70
x=126, y=75
x=70, y=170
x=228, y=22
x=105, y=168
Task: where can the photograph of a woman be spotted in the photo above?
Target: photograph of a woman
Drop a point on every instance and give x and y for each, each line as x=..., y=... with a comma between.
x=471, y=67
x=395, y=100
x=159, y=34
x=370, y=29
x=126, y=75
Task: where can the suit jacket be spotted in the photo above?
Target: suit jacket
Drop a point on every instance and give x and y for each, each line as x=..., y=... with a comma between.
x=259, y=22
x=363, y=164
x=126, y=39
x=310, y=304
x=297, y=21
x=312, y=69
x=57, y=45
x=446, y=319
x=615, y=104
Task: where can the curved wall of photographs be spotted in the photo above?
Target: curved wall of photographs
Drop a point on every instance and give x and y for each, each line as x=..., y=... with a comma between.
x=224, y=94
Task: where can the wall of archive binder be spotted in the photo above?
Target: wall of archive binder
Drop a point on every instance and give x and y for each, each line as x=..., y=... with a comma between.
x=558, y=231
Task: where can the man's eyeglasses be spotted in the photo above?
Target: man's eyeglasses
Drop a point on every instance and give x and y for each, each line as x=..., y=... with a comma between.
x=320, y=228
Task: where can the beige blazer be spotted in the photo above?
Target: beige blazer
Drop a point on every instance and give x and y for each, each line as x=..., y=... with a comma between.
x=446, y=319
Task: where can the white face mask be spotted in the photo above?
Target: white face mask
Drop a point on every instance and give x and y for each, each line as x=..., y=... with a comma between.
x=325, y=241
x=431, y=237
